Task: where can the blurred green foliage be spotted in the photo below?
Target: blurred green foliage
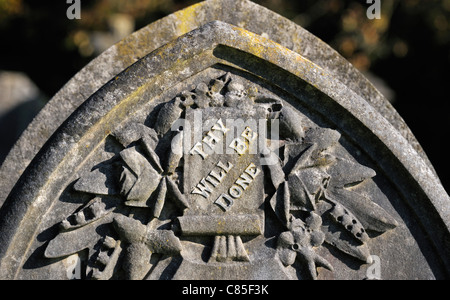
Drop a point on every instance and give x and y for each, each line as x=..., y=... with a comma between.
x=9, y=8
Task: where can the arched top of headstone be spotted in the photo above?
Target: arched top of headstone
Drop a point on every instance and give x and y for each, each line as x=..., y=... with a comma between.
x=231, y=144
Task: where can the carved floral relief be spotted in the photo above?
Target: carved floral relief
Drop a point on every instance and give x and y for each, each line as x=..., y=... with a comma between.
x=311, y=190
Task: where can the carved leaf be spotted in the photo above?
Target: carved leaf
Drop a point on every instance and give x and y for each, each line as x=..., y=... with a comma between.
x=289, y=124
x=345, y=173
x=147, y=179
x=99, y=181
x=134, y=132
x=285, y=253
x=324, y=138
x=93, y=211
x=176, y=153
x=175, y=194
x=70, y=242
x=348, y=221
x=151, y=155
x=160, y=199
x=304, y=185
x=370, y=214
x=136, y=261
x=280, y=203
x=275, y=169
x=335, y=238
x=168, y=114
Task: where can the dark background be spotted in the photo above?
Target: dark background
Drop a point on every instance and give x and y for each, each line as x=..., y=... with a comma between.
x=408, y=49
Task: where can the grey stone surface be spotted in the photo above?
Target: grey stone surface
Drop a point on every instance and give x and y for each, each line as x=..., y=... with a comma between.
x=243, y=149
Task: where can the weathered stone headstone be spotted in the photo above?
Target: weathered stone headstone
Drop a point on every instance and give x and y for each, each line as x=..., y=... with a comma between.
x=221, y=142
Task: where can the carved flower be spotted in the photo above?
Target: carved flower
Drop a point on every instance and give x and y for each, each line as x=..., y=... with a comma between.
x=300, y=243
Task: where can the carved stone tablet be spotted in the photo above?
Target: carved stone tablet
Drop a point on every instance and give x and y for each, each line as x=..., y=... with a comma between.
x=223, y=154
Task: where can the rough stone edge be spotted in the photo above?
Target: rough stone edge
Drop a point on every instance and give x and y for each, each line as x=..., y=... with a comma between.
x=305, y=70
x=247, y=15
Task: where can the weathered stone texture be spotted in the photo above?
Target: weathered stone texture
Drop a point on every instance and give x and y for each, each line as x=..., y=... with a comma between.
x=221, y=142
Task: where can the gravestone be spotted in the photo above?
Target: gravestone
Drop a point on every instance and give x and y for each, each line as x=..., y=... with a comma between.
x=221, y=142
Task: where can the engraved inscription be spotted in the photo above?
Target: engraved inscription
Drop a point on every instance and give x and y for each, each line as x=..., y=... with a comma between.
x=212, y=139
x=244, y=142
x=214, y=178
x=225, y=201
